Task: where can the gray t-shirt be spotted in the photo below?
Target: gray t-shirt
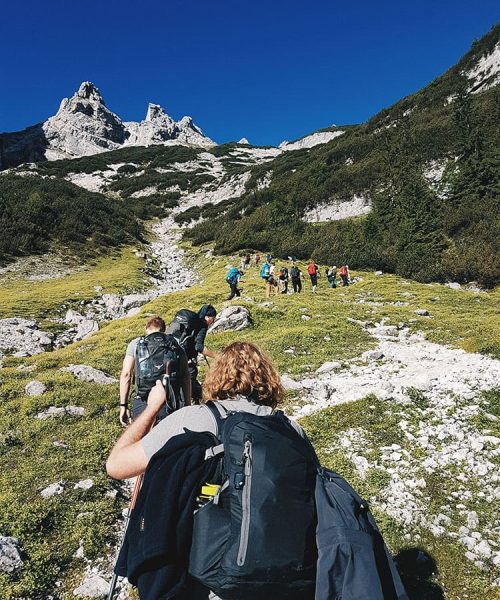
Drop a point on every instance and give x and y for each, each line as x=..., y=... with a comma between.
x=198, y=418
x=132, y=347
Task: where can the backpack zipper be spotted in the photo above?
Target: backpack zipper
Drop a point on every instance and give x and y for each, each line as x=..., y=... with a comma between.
x=245, y=503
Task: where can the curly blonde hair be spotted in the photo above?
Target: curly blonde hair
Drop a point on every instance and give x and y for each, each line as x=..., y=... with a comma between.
x=243, y=368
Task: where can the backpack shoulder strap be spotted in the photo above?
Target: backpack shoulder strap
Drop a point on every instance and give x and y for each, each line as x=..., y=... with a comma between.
x=213, y=407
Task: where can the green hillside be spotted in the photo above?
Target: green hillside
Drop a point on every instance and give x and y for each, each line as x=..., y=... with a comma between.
x=429, y=232
x=36, y=453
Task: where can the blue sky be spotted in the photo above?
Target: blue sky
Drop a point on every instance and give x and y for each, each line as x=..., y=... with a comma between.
x=266, y=70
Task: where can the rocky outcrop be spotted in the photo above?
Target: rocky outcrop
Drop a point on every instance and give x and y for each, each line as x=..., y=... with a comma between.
x=35, y=388
x=10, y=555
x=160, y=128
x=54, y=489
x=21, y=337
x=92, y=586
x=86, y=373
x=84, y=126
x=232, y=318
x=57, y=411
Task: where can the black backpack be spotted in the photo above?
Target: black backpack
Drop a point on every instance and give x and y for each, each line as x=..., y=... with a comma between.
x=256, y=538
x=184, y=328
x=294, y=272
x=158, y=355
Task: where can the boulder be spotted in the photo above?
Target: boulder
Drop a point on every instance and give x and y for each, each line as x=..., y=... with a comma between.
x=85, y=484
x=329, y=366
x=85, y=328
x=72, y=317
x=370, y=355
x=378, y=273
x=290, y=384
x=10, y=555
x=135, y=301
x=421, y=312
x=92, y=586
x=35, y=388
x=453, y=285
x=56, y=411
x=86, y=373
x=305, y=317
x=22, y=338
x=54, y=489
x=232, y=318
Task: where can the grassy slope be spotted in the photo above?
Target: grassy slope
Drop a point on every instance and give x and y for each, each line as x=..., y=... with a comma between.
x=118, y=272
x=51, y=530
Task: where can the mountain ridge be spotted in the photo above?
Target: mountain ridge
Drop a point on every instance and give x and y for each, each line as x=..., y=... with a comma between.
x=84, y=126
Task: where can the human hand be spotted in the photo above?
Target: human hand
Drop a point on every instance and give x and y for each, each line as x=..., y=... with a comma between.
x=157, y=396
x=124, y=416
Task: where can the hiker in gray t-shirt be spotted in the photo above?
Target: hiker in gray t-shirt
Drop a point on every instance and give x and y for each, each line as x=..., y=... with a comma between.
x=229, y=382
x=154, y=324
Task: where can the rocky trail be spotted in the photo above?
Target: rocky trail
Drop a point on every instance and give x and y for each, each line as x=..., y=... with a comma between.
x=434, y=397
x=164, y=263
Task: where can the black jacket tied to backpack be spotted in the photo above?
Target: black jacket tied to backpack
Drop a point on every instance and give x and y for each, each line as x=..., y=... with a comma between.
x=155, y=552
x=353, y=561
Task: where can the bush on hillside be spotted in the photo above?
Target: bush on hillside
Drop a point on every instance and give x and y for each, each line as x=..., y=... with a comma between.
x=37, y=212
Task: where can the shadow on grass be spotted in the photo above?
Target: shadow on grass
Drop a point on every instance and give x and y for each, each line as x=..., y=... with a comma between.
x=418, y=571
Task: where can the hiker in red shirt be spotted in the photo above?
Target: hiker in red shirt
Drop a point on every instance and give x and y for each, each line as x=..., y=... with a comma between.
x=313, y=271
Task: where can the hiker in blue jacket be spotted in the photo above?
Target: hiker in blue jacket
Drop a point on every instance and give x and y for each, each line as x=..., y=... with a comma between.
x=232, y=278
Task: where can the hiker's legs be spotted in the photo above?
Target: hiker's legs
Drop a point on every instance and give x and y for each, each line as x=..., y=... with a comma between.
x=294, y=285
x=196, y=391
x=314, y=282
x=299, y=285
x=345, y=280
x=234, y=291
x=268, y=289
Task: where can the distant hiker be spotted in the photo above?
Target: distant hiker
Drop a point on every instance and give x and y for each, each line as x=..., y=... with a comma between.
x=232, y=279
x=148, y=357
x=265, y=273
x=313, y=270
x=344, y=274
x=269, y=258
x=283, y=278
x=273, y=280
x=257, y=260
x=295, y=274
x=247, y=261
x=331, y=274
x=190, y=329
x=242, y=263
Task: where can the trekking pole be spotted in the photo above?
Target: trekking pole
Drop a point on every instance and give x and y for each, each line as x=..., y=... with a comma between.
x=131, y=505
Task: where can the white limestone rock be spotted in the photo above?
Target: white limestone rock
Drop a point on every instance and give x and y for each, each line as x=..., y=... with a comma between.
x=92, y=586
x=329, y=366
x=35, y=388
x=22, y=338
x=86, y=328
x=231, y=318
x=10, y=555
x=290, y=384
x=57, y=411
x=55, y=489
x=86, y=373
x=85, y=484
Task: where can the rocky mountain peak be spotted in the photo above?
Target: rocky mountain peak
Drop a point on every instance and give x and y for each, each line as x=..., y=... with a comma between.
x=156, y=113
x=89, y=91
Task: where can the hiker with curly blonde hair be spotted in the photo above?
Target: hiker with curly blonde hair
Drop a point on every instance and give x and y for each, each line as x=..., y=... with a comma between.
x=241, y=378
